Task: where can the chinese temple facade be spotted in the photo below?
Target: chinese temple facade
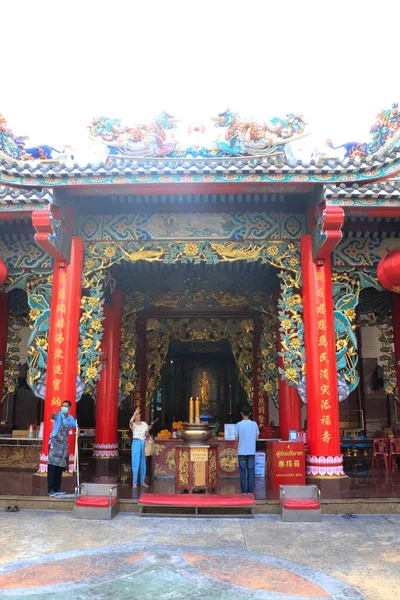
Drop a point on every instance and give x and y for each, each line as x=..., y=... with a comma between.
x=225, y=260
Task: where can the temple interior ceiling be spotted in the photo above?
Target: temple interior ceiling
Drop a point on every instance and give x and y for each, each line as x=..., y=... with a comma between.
x=234, y=277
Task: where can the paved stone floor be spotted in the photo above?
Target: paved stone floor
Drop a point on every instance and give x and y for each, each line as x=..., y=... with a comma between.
x=49, y=555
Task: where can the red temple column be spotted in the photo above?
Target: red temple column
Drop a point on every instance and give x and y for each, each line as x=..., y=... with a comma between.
x=106, y=440
x=62, y=358
x=324, y=460
x=289, y=400
x=3, y=339
x=73, y=314
x=396, y=333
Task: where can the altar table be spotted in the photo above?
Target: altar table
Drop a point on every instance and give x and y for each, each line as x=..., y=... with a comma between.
x=163, y=463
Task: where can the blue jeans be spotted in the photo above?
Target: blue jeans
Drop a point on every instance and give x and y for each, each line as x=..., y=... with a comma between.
x=138, y=462
x=246, y=468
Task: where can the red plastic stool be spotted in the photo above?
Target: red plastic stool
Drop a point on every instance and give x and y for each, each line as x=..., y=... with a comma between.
x=380, y=448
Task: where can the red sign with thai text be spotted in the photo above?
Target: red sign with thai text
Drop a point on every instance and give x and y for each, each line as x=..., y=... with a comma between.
x=286, y=464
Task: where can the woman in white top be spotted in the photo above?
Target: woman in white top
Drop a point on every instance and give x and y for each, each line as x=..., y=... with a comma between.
x=140, y=431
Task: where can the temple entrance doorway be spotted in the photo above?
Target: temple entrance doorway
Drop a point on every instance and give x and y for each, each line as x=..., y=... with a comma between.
x=182, y=321
x=200, y=369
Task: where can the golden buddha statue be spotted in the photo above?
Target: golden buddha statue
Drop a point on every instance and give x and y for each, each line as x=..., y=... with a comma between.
x=204, y=391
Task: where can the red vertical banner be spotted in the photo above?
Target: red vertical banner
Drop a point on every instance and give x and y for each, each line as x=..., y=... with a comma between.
x=289, y=399
x=396, y=334
x=71, y=332
x=72, y=317
x=55, y=356
x=62, y=357
x=324, y=458
x=3, y=339
x=258, y=396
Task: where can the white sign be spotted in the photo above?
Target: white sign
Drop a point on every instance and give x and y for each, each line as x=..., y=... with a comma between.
x=260, y=465
x=230, y=432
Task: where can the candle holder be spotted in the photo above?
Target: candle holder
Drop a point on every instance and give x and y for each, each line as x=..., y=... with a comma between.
x=195, y=433
x=191, y=409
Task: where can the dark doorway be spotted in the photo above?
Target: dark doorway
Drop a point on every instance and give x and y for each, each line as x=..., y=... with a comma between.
x=187, y=365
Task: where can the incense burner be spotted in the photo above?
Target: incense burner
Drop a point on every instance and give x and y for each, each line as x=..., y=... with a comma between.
x=196, y=434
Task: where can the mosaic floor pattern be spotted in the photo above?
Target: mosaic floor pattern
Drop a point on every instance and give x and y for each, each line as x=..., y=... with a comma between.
x=167, y=572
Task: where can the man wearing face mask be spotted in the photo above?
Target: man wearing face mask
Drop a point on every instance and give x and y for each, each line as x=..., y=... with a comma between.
x=58, y=448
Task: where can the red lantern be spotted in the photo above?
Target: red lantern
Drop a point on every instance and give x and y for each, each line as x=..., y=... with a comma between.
x=3, y=271
x=389, y=271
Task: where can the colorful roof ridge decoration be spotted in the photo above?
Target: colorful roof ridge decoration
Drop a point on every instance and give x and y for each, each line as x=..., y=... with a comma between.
x=13, y=147
x=239, y=136
x=385, y=135
x=228, y=150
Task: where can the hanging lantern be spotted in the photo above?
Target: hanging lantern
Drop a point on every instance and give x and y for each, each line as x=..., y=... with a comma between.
x=389, y=271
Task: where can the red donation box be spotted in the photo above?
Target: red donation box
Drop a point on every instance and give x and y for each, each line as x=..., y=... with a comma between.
x=286, y=464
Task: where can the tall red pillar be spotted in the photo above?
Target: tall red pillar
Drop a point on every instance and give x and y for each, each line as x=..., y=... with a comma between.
x=73, y=315
x=396, y=333
x=3, y=339
x=289, y=400
x=324, y=460
x=62, y=358
x=106, y=440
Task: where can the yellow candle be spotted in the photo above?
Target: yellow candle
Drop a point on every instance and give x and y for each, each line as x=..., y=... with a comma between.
x=197, y=411
x=191, y=409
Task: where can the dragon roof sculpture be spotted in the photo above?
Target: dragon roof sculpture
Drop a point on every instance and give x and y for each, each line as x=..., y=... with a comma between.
x=227, y=134
x=13, y=147
x=252, y=138
x=136, y=140
x=385, y=135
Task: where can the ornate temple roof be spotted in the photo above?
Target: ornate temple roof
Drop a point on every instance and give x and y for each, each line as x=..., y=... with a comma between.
x=14, y=198
x=242, y=170
x=227, y=149
x=376, y=190
x=365, y=200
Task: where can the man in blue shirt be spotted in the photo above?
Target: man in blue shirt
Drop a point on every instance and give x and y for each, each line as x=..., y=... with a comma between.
x=247, y=434
x=58, y=448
